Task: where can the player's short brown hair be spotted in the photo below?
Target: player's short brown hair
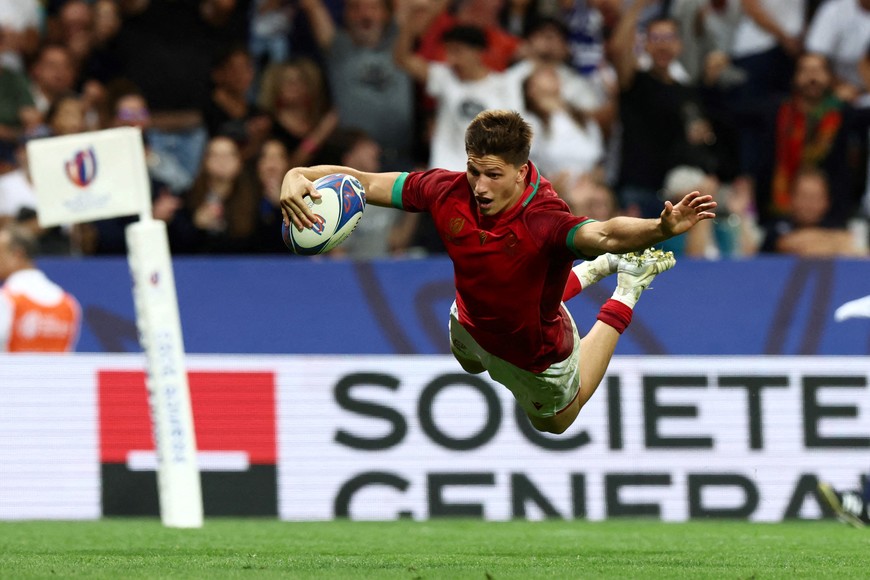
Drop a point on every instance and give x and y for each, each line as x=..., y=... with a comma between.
x=504, y=134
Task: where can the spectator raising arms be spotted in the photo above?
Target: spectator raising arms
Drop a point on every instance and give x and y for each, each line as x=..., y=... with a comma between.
x=369, y=90
x=462, y=87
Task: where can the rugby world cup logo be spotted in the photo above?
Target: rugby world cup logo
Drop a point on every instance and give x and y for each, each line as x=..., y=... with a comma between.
x=82, y=168
x=319, y=224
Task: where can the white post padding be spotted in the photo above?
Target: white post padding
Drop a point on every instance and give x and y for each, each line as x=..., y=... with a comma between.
x=159, y=325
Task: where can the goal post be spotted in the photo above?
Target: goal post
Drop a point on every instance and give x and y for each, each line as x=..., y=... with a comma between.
x=100, y=175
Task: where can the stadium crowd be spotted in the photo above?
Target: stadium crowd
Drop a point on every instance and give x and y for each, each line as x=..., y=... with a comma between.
x=764, y=104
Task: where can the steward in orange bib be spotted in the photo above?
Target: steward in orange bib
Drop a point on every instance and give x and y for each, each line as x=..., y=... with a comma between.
x=36, y=315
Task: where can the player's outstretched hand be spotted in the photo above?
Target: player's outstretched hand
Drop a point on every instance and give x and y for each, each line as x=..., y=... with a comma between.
x=693, y=208
x=294, y=188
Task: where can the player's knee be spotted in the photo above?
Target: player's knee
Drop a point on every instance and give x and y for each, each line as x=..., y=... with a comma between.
x=549, y=424
x=470, y=366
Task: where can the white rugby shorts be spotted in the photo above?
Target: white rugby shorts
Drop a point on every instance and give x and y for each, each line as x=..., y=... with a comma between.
x=541, y=394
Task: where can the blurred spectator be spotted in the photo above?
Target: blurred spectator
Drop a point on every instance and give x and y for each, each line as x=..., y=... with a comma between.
x=462, y=87
x=104, y=63
x=36, y=315
x=53, y=241
x=862, y=105
x=734, y=232
x=590, y=196
x=72, y=27
x=270, y=166
x=810, y=128
x=66, y=116
x=805, y=231
x=518, y=16
x=374, y=234
x=220, y=213
x=438, y=17
x=228, y=110
x=16, y=103
x=589, y=95
x=167, y=48
x=369, y=90
x=20, y=23
x=567, y=142
x=296, y=95
x=271, y=24
x=52, y=75
x=840, y=30
x=767, y=41
x=590, y=24
x=129, y=109
x=707, y=27
x=16, y=190
x=167, y=179
x=661, y=119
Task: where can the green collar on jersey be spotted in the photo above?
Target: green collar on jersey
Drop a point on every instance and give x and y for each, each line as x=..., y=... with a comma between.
x=534, y=186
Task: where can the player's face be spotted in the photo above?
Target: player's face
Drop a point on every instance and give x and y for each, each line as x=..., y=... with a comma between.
x=496, y=184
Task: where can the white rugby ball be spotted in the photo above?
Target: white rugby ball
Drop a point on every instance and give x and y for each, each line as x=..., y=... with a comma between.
x=340, y=207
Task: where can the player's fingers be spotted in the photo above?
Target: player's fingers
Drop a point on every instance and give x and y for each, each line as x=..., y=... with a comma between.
x=689, y=197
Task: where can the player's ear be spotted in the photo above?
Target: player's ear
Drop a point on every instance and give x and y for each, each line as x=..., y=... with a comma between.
x=524, y=170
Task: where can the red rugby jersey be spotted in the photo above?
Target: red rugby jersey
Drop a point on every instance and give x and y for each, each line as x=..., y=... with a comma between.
x=510, y=270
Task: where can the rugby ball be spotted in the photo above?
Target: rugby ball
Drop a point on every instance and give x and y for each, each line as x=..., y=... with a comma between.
x=340, y=207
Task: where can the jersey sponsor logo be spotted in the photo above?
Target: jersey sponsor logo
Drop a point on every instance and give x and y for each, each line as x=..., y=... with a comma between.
x=82, y=168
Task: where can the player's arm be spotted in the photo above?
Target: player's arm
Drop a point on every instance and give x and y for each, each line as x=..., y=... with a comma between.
x=626, y=234
x=299, y=182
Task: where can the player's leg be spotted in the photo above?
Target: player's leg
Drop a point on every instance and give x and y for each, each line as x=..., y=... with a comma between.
x=636, y=272
x=469, y=365
x=588, y=273
x=465, y=350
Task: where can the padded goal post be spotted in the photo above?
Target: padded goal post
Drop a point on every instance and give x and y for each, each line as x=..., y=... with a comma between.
x=100, y=175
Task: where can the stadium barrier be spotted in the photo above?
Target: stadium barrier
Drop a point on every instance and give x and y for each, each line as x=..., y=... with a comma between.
x=385, y=437
x=288, y=305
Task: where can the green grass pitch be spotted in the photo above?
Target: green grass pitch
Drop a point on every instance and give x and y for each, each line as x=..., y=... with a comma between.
x=252, y=548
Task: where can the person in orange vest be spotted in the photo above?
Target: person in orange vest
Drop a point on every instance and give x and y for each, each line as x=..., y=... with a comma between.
x=36, y=315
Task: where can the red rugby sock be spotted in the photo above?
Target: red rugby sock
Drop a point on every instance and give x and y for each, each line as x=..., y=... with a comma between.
x=616, y=314
x=572, y=287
